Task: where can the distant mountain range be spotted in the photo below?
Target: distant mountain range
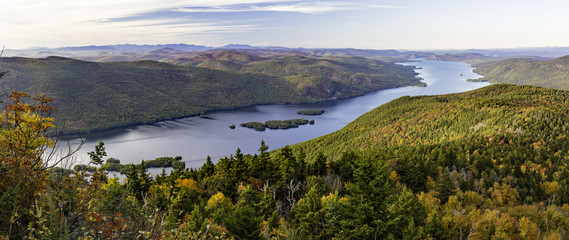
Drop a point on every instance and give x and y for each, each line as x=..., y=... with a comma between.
x=130, y=52
x=168, y=52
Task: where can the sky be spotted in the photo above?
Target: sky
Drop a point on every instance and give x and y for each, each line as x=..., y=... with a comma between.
x=364, y=24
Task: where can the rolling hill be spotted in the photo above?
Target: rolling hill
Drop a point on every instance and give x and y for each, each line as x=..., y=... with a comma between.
x=550, y=73
x=97, y=96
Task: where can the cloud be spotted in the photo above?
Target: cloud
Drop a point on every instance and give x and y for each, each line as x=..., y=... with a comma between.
x=299, y=7
x=72, y=22
x=385, y=6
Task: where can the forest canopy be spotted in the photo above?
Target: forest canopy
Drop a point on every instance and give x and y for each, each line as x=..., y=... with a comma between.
x=489, y=163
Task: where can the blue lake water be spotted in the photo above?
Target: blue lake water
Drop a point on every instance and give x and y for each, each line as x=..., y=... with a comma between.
x=195, y=138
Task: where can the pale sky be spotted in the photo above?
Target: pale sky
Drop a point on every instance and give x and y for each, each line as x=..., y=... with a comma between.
x=367, y=24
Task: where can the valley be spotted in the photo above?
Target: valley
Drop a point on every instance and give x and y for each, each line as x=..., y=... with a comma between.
x=95, y=96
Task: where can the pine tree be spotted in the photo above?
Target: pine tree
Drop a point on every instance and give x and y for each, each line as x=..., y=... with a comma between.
x=245, y=223
x=445, y=187
x=208, y=168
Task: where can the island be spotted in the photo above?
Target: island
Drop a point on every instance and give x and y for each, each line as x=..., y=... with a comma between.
x=310, y=112
x=114, y=165
x=276, y=124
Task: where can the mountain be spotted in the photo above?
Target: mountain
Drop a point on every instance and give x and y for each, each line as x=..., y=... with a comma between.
x=496, y=111
x=549, y=73
x=95, y=96
x=470, y=58
x=485, y=163
x=504, y=53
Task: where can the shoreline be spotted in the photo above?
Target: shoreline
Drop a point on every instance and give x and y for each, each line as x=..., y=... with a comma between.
x=75, y=134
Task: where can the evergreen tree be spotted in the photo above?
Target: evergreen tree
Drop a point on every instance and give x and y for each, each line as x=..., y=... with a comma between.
x=239, y=167
x=245, y=223
x=134, y=183
x=307, y=217
x=318, y=166
x=445, y=187
x=208, y=168
x=369, y=193
x=145, y=181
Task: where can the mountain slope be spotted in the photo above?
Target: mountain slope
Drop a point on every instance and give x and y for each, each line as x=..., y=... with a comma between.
x=551, y=73
x=427, y=120
x=97, y=96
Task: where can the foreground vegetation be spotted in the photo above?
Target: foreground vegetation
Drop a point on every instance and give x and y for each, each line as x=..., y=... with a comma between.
x=551, y=73
x=98, y=96
x=492, y=163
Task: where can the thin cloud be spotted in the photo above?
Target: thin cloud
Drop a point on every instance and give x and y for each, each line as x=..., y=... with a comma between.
x=385, y=6
x=299, y=7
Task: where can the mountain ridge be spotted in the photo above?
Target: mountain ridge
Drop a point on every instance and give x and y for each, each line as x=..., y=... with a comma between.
x=96, y=96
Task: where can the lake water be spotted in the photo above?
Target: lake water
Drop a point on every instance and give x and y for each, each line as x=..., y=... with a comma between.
x=195, y=138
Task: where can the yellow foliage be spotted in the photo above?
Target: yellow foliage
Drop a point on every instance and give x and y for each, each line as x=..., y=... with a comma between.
x=326, y=199
x=23, y=140
x=550, y=187
x=111, y=182
x=219, y=200
x=187, y=184
x=430, y=202
x=554, y=236
x=528, y=229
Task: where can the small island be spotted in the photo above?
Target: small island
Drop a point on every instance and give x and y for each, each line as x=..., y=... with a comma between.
x=310, y=112
x=276, y=124
x=114, y=165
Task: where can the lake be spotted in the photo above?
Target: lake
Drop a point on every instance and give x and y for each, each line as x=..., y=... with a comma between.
x=195, y=138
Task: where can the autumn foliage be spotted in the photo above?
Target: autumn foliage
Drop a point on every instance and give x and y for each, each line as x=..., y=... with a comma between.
x=23, y=169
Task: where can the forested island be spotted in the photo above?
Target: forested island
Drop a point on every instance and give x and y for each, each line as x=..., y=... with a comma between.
x=276, y=124
x=114, y=165
x=487, y=163
x=310, y=112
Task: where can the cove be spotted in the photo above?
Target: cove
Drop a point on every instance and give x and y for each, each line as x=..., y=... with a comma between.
x=195, y=138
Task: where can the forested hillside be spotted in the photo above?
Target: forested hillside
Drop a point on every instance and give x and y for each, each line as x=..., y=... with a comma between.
x=492, y=163
x=97, y=96
x=550, y=73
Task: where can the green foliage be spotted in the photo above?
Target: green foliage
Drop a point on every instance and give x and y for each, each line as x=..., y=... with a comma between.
x=254, y=125
x=161, y=162
x=245, y=223
x=98, y=155
x=285, y=124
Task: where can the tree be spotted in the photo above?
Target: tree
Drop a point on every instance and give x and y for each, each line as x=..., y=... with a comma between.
x=208, y=168
x=24, y=170
x=239, y=167
x=307, y=217
x=245, y=223
x=98, y=155
x=318, y=167
x=369, y=192
x=445, y=187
